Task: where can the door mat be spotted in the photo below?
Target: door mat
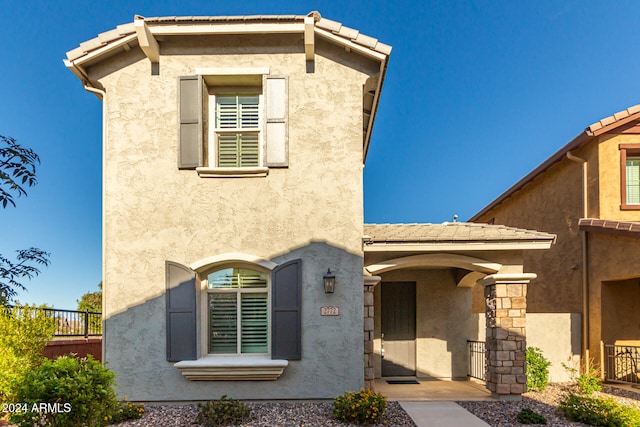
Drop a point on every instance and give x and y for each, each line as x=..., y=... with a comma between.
x=402, y=382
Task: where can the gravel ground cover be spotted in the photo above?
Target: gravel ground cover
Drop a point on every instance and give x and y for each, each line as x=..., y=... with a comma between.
x=265, y=415
x=503, y=414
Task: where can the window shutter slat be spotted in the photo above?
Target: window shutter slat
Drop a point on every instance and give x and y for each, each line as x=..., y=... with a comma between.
x=254, y=323
x=223, y=319
x=180, y=312
x=276, y=112
x=190, y=143
x=286, y=315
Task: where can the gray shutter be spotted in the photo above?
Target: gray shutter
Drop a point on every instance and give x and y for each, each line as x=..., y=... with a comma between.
x=181, y=312
x=286, y=315
x=190, y=144
x=276, y=90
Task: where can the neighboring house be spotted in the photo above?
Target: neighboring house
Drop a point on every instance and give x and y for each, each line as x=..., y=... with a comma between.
x=588, y=194
x=233, y=190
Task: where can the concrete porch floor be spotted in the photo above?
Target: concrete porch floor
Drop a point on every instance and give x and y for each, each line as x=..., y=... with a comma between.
x=432, y=390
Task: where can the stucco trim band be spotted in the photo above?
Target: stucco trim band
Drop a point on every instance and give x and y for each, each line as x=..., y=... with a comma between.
x=232, y=368
x=230, y=257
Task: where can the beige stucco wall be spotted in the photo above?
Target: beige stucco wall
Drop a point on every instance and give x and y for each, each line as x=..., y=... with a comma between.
x=558, y=336
x=609, y=177
x=444, y=323
x=614, y=279
x=154, y=212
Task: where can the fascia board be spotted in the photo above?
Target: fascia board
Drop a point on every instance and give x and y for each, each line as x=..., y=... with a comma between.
x=362, y=50
x=460, y=247
x=240, y=28
x=106, y=49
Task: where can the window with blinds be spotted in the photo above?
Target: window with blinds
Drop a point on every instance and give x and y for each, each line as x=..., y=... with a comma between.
x=238, y=311
x=633, y=180
x=237, y=130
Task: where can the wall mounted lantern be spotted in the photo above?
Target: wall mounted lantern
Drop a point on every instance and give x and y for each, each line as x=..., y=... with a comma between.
x=329, y=282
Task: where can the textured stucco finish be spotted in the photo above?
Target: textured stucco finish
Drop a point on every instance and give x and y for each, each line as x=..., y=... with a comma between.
x=614, y=277
x=558, y=336
x=154, y=212
x=444, y=322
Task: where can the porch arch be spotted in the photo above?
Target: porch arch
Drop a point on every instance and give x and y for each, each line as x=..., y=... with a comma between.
x=436, y=260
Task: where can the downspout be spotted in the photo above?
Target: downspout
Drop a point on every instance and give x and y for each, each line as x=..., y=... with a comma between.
x=585, y=265
x=102, y=95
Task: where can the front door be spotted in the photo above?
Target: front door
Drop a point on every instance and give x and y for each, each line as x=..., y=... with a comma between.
x=399, y=329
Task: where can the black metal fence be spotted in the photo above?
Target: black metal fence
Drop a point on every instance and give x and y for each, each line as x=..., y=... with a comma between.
x=477, y=360
x=621, y=363
x=73, y=323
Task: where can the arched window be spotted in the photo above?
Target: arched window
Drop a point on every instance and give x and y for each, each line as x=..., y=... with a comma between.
x=237, y=311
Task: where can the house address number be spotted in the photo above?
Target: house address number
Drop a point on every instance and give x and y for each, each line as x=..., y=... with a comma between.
x=330, y=311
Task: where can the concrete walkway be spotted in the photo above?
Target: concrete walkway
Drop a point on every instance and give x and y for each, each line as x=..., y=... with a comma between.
x=441, y=413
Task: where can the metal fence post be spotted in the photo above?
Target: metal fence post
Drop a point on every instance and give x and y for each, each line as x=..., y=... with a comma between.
x=86, y=323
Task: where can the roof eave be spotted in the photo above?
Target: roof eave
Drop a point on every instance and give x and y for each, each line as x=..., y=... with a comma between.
x=457, y=246
x=556, y=157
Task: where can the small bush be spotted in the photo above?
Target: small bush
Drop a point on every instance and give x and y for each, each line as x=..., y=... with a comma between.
x=127, y=411
x=599, y=411
x=75, y=392
x=589, y=383
x=529, y=416
x=364, y=407
x=24, y=333
x=222, y=412
x=537, y=370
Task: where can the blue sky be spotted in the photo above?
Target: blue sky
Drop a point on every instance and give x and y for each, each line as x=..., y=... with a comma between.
x=477, y=94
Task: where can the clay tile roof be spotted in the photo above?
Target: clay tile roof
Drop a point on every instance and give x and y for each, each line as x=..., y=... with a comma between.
x=449, y=232
x=333, y=27
x=605, y=226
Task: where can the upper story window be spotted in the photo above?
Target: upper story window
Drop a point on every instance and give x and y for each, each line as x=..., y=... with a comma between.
x=233, y=122
x=633, y=180
x=630, y=176
x=235, y=140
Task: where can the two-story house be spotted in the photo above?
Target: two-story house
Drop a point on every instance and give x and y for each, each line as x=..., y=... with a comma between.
x=588, y=194
x=234, y=247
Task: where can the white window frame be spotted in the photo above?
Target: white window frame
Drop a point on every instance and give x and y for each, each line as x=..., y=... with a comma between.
x=229, y=80
x=204, y=310
x=213, y=132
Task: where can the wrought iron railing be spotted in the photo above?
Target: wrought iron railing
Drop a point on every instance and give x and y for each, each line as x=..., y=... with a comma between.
x=621, y=363
x=73, y=323
x=477, y=360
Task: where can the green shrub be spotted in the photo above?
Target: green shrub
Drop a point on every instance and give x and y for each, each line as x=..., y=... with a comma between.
x=127, y=411
x=599, y=411
x=537, y=369
x=589, y=382
x=74, y=392
x=24, y=333
x=364, y=407
x=222, y=412
x=529, y=416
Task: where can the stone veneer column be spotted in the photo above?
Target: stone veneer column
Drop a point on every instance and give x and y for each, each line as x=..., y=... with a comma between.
x=370, y=283
x=505, y=313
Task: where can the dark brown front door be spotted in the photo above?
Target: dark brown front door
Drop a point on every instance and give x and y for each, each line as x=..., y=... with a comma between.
x=399, y=329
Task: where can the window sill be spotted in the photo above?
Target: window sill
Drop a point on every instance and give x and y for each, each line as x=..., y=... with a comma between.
x=232, y=368
x=631, y=207
x=207, y=172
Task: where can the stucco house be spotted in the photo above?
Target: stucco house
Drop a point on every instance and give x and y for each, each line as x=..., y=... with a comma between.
x=588, y=194
x=235, y=257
